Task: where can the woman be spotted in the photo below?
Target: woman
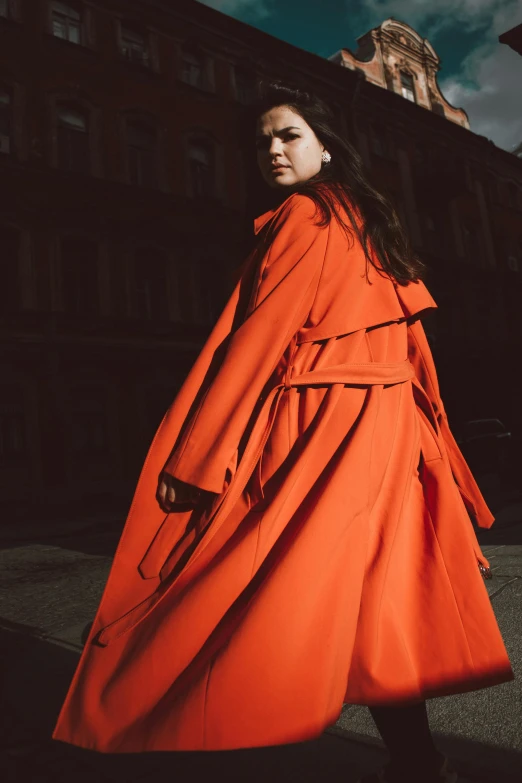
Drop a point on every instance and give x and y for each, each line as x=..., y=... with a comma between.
x=299, y=537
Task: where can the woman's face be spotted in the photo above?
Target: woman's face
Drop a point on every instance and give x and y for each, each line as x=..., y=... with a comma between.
x=288, y=151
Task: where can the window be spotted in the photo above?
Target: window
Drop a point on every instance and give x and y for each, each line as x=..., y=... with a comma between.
x=436, y=232
x=5, y=121
x=492, y=189
x=66, y=22
x=407, y=86
x=73, y=140
x=79, y=267
x=193, y=70
x=438, y=108
x=201, y=154
x=246, y=86
x=381, y=142
x=150, y=299
x=9, y=264
x=142, y=154
x=13, y=433
x=511, y=190
x=8, y=9
x=134, y=46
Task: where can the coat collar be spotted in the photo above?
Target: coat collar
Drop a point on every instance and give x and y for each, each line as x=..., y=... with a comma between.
x=263, y=219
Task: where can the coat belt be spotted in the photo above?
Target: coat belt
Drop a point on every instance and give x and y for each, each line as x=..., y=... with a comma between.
x=364, y=374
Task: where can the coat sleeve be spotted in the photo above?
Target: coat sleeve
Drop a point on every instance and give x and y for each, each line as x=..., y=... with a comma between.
x=282, y=295
x=421, y=357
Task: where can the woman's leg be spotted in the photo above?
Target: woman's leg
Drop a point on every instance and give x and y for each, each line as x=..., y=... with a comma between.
x=406, y=733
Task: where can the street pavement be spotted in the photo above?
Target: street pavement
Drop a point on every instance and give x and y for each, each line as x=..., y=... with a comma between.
x=52, y=578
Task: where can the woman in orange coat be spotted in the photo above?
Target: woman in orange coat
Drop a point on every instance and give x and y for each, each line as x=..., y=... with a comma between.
x=299, y=536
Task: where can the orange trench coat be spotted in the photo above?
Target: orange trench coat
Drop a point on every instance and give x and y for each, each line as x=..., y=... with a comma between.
x=334, y=561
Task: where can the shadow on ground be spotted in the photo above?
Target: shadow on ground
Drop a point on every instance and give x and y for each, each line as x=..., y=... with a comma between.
x=98, y=538
x=35, y=677
x=500, y=536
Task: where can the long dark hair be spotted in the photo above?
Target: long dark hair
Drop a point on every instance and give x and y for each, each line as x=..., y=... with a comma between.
x=345, y=181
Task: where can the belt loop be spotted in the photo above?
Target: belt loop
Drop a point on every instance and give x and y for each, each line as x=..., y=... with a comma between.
x=290, y=365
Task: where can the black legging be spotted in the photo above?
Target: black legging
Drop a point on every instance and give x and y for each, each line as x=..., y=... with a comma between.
x=406, y=733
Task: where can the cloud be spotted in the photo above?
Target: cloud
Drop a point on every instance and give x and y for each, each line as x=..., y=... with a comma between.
x=493, y=106
x=246, y=10
x=487, y=85
x=430, y=18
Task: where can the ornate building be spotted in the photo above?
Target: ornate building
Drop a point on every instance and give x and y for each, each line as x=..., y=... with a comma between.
x=513, y=38
x=395, y=57
x=127, y=190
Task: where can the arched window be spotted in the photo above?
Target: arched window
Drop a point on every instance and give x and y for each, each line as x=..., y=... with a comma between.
x=150, y=295
x=9, y=268
x=5, y=121
x=407, y=86
x=74, y=152
x=80, y=284
x=202, y=167
x=142, y=153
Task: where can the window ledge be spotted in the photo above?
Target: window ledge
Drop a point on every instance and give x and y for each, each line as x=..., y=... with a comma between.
x=9, y=20
x=137, y=66
x=207, y=91
x=71, y=45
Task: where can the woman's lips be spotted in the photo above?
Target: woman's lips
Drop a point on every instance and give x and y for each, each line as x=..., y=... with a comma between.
x=276, y=169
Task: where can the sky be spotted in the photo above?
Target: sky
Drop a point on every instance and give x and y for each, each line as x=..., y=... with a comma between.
x=477, y=73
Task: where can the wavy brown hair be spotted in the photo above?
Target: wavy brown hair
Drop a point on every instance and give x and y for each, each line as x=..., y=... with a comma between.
x=344, y=181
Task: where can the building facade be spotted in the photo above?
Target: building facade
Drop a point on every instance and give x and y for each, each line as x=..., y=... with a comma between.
x=128, y=188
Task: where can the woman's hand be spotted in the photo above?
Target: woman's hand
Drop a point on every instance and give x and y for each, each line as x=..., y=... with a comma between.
x=171, y=491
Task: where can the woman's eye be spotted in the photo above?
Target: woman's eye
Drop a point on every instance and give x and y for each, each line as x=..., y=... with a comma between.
x=291, y=136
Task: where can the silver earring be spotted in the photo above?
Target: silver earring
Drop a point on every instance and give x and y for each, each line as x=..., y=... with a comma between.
x=326, y=157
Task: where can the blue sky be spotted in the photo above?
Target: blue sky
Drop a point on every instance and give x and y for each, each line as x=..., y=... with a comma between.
x=477, y=72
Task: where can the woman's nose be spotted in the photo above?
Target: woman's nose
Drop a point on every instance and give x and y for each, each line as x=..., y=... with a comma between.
x=275, y=146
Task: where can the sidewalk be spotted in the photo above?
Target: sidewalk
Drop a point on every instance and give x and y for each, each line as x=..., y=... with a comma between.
x=480, y=731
